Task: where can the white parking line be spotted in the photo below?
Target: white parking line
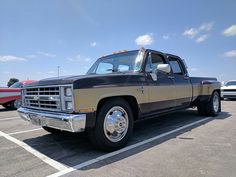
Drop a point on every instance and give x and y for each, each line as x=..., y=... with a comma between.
x=89, y=162
x=41, y=156
x=25, y=131
x=10, y=118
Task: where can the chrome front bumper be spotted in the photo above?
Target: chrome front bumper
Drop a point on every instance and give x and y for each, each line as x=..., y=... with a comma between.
x=61, y=121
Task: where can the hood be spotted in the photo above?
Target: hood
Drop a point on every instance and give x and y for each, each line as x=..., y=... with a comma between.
x=63, y=80
x=93, y=81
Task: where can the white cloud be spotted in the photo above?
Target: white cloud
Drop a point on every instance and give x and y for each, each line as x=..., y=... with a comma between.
x=9, y=58
x=201, y=32
x=230, y=54
x=146, y=39
x=50, y=55
x=202, y=38
x=93, y=44
x=191, y=32
x=31, y=56
x=230, y=31
x=206, y=26
x=165, y=37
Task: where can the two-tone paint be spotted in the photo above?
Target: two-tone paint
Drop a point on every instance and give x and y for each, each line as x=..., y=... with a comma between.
x=149, y=94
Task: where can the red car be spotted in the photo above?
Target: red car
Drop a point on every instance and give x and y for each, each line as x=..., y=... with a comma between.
x=10, y=98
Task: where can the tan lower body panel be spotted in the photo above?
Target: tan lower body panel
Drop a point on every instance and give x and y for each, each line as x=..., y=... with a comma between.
x=88, y=99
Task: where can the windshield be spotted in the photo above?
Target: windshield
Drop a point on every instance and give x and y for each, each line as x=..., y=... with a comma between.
x=230, y=83
x=17, y=85
x=123, y=62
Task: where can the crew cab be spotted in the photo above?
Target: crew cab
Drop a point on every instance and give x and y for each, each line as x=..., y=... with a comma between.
x=10, y=98
x=118, y=90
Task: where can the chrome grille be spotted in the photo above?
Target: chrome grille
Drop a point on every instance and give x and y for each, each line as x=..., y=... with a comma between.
x=47, y=98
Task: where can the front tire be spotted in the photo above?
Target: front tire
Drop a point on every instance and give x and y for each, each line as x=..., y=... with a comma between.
x=114, y=125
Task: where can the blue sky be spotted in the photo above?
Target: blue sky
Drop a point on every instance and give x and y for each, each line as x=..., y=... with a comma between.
x=37, y=36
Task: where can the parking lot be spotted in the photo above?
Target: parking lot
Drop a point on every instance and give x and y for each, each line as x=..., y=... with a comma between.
x=179, y=144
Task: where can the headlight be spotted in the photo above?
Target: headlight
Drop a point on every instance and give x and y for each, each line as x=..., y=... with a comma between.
x=69, y=105
x=68, y=91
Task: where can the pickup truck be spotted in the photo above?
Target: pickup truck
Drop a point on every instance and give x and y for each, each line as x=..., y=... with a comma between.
x=118, y=90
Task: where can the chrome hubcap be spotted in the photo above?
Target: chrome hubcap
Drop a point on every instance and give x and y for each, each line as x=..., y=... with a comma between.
x=17, y=104
x=116, y=124
x=216, y=102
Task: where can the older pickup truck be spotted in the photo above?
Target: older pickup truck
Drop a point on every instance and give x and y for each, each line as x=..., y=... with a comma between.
x=118, y=90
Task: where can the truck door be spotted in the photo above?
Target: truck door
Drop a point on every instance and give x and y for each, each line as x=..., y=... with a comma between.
x=182, y=82
x=161, y=87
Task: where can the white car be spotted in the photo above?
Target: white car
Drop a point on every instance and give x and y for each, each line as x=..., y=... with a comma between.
x=229, y=90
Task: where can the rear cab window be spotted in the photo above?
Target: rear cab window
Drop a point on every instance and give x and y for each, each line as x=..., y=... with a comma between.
x=176, y=66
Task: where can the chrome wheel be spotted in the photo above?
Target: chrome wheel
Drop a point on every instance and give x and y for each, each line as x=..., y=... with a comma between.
x=17, y=104
x=216, y=102
x=116, y=124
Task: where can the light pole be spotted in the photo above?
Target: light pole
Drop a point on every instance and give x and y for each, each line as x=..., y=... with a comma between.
x=58, y=71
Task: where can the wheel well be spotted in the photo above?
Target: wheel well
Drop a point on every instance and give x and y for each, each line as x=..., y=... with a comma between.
x=205, y=99
x=131, y=100
x=218, y=90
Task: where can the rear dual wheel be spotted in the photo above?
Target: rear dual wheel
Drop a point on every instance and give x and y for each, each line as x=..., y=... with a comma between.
x=212, y=107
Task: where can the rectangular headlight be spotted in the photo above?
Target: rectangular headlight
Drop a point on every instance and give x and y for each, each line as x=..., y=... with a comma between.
x=68, y=91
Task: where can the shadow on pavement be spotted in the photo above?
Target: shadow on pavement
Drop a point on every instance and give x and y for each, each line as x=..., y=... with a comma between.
x=73, y=149
x=2, y=109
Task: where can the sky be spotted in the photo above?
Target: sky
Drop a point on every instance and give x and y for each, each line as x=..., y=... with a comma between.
x=37, y=36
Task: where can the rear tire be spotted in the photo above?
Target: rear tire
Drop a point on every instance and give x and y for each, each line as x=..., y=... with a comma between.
x=6, y=105
x=114, y=125
x=212, y=107
x=201, y=109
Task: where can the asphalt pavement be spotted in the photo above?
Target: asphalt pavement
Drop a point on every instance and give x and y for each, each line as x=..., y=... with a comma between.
x=181, y=144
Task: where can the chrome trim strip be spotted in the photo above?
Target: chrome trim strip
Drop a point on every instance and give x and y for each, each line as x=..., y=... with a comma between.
x=61, y=121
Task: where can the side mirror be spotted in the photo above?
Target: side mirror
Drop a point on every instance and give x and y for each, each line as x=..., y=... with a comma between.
x=164, y=68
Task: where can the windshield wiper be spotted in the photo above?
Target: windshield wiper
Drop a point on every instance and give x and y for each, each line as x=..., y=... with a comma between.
x=114, y=70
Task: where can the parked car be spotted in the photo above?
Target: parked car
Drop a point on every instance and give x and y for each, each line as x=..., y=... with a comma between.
x=10, y=98
x=229, y=90
x=116, y=91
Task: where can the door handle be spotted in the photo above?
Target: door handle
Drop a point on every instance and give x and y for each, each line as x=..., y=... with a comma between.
x=171, y=77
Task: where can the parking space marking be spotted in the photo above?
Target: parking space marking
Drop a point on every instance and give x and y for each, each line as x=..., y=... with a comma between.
x=41, y=156
x=9, y=118
x=111, y=154
x=25, y=131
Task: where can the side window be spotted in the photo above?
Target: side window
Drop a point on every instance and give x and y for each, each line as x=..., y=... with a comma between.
x=176, y=66
x=104, y=68
x=152, y=62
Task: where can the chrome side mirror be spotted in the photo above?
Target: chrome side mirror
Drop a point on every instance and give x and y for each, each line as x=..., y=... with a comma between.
x=164, y=68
